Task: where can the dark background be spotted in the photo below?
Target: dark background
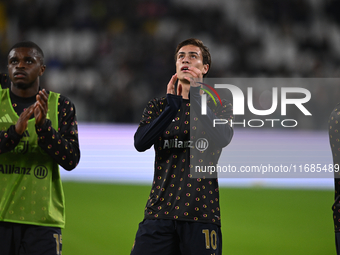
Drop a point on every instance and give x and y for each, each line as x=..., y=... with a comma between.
x=110, y=57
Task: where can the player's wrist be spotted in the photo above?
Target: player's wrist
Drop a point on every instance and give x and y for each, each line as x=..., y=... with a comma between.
x=44, y=126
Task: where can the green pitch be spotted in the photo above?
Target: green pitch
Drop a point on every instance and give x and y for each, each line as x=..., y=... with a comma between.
x=103, y=219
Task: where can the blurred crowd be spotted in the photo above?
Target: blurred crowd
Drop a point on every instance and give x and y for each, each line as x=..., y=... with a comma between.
x=111, y=56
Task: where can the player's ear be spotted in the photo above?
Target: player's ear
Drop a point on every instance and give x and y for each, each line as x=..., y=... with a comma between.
x=42, y=70
x=205, y=68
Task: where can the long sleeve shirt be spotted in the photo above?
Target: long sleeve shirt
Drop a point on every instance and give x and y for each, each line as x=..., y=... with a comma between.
x=170, y=125
x=334, y=139
x=62, y=144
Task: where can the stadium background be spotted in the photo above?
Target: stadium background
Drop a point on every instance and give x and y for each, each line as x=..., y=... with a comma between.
x=110, y=57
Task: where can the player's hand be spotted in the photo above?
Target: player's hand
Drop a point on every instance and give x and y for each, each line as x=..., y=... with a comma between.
x=196, y=76
x=22, y=122
x=171, y=85
x=41, y=107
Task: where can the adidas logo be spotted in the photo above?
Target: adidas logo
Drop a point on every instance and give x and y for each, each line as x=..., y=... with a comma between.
x=6, y=119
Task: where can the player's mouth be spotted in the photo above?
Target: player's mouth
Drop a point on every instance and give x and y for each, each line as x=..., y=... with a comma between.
x=185, y=68
x=20, y=74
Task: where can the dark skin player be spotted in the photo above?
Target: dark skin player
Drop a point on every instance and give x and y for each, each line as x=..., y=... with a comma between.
x=25, y=66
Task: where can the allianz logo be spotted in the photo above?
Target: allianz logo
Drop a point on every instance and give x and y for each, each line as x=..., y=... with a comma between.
x=201, y=144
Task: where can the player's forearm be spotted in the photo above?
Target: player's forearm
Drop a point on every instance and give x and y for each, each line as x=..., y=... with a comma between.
x=9, y=139
x=62, y=147
x=145, y=135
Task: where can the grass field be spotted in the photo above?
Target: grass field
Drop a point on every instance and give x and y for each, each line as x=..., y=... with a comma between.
x=103, y=219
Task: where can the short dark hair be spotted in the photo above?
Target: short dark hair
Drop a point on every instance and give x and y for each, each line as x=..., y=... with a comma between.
x=204, y=49
x=29, y=44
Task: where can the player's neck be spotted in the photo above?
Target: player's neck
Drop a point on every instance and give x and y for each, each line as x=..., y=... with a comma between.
x=185, y=90
x=25, y=92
